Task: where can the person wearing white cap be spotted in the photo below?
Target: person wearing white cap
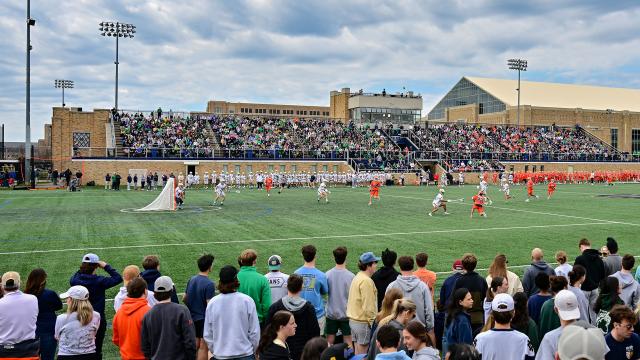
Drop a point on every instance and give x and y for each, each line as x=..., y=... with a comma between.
x=76, y=329
x=503, y=342
x=277, y=279
x=578, y=343
x=565, y=304
x=18, y=316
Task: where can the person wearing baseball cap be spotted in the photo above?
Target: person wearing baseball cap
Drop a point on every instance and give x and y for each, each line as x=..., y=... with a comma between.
x=231, y=326
x=565, y=304
x=167, y=329
x=503, y=342
x=577, y=343
x=362, y=305
x=277, y=279
x=18, y=316
x=97, y=285
x=79, y=324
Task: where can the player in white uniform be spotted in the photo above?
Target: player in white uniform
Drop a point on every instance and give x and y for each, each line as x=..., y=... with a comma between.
x=206, y=179
x=460, y=179
x=220, y=195
x=484, y=187
x=506, y=188
x=439, y=202
x=196, y=180
x=189, y=179
x=179, y=195
x=323, y=192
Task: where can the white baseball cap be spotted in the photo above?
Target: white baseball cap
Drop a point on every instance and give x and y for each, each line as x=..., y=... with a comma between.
x=567, y=304
x=77, y=292
x=502, y=303
x=579, y=343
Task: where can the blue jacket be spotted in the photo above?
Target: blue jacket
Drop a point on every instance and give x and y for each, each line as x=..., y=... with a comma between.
x=97, y=285
x=48, y=303
x=459, y=331
x=447, y=289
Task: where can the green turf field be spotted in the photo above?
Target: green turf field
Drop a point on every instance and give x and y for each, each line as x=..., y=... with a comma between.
x=54, y=229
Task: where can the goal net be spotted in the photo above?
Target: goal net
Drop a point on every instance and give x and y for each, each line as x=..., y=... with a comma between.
x=164, y=201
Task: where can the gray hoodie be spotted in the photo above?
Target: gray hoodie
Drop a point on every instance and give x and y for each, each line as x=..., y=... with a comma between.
x=413, y=288
x=293, y=303
x=529, y=277
x=426, y=353
x=630, y=289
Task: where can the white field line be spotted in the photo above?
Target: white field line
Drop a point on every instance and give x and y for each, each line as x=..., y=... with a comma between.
x=300, y=238
x=532, y=212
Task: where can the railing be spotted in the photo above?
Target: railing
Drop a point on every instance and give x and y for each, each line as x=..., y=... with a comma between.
x=533, y=157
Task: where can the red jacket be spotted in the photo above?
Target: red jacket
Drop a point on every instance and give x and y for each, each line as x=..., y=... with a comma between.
x=127, y=327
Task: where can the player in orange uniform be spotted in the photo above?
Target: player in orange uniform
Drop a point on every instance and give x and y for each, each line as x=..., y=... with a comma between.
x=478, y=203
x=374, y=189
x=530, y=193
x=268, y=184
x=551, y=188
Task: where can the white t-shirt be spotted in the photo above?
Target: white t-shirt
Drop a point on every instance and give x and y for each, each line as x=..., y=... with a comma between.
x=220, y=188
x=73, y=338
x=483, y=185
x=179, y=192
x=438, y=199
x=497, y=344
x=563, y=270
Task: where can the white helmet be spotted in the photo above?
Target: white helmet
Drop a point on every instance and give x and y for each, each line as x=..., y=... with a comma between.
x=322, y=184
x=441, y=191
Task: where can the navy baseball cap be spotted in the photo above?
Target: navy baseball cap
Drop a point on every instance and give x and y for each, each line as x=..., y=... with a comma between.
x=368, y=257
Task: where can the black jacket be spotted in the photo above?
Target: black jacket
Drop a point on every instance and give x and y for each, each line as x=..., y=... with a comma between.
x=150, y=276
x=596, y=271
x=275, y=352
x=307, y=329
x=168, y=333
x=382, y=278
x=477, y=286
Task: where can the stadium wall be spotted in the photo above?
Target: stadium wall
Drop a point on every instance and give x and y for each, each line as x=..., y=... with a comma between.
x=571, y=166
x=96, y=169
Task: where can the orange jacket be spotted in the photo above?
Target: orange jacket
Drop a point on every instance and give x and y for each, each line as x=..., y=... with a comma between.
x=127, y=327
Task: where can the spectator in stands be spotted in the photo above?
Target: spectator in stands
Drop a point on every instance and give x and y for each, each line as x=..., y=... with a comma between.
x=18, y=319
x=48, y=304
x=537, y=266
x=566, y=306
x=623, y=343
x=200, y=289
x=231, y=327
x=314, y=348
x=97, y=285
x=273, y=342
x=127, y=322
x=426, y=276
x=537, y=300
x=303, y=312
x=613, y=261
x=563, y=268
x=522, y=322
x=77, y=329
x=417, y=291
x=416, y=340
x=476, y=285
x=277, y=279
x=386, y=274
x=458, y=321
x=129, y=273
x=151, y=266
x=253, y=284
x=339, y=279
x=315, y=285
x=577, y=275
x=549, y=319
x=499, y=268
x=608, y=297
x=167, y=329
x=596, y=271
x=630, y=292
x=578, y=343
x=361, y=305
x=502, y=341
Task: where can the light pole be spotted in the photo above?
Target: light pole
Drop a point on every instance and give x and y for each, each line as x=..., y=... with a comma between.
x=117, y=30
x=63, y=84
x=27, y=141
x=520, y=65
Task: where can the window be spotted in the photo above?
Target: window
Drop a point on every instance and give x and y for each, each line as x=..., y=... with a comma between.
x=283, y=168
x=237, y=169
x=541, y=168
x=614, y=138
x=335, y=168
x=635, y=141
x=225, y=169
x=249, y=169
x=294, y=168
x=325, y=168
x=270, y=168
x=314, y=169
x=81, y=140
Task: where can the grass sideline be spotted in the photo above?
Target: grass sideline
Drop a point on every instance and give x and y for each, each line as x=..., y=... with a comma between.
x=53, y=229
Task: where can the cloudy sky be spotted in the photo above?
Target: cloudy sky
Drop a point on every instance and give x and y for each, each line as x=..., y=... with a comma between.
x=188, y=52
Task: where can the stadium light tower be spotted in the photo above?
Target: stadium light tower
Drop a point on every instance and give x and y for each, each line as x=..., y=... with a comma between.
x=27, y=141
x=520, y=65
x=117, y=30
x=63, y=84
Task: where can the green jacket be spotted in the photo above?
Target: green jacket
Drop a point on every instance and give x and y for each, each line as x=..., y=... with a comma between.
x=549, y=320
x=531, y=330
x=257, y=287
